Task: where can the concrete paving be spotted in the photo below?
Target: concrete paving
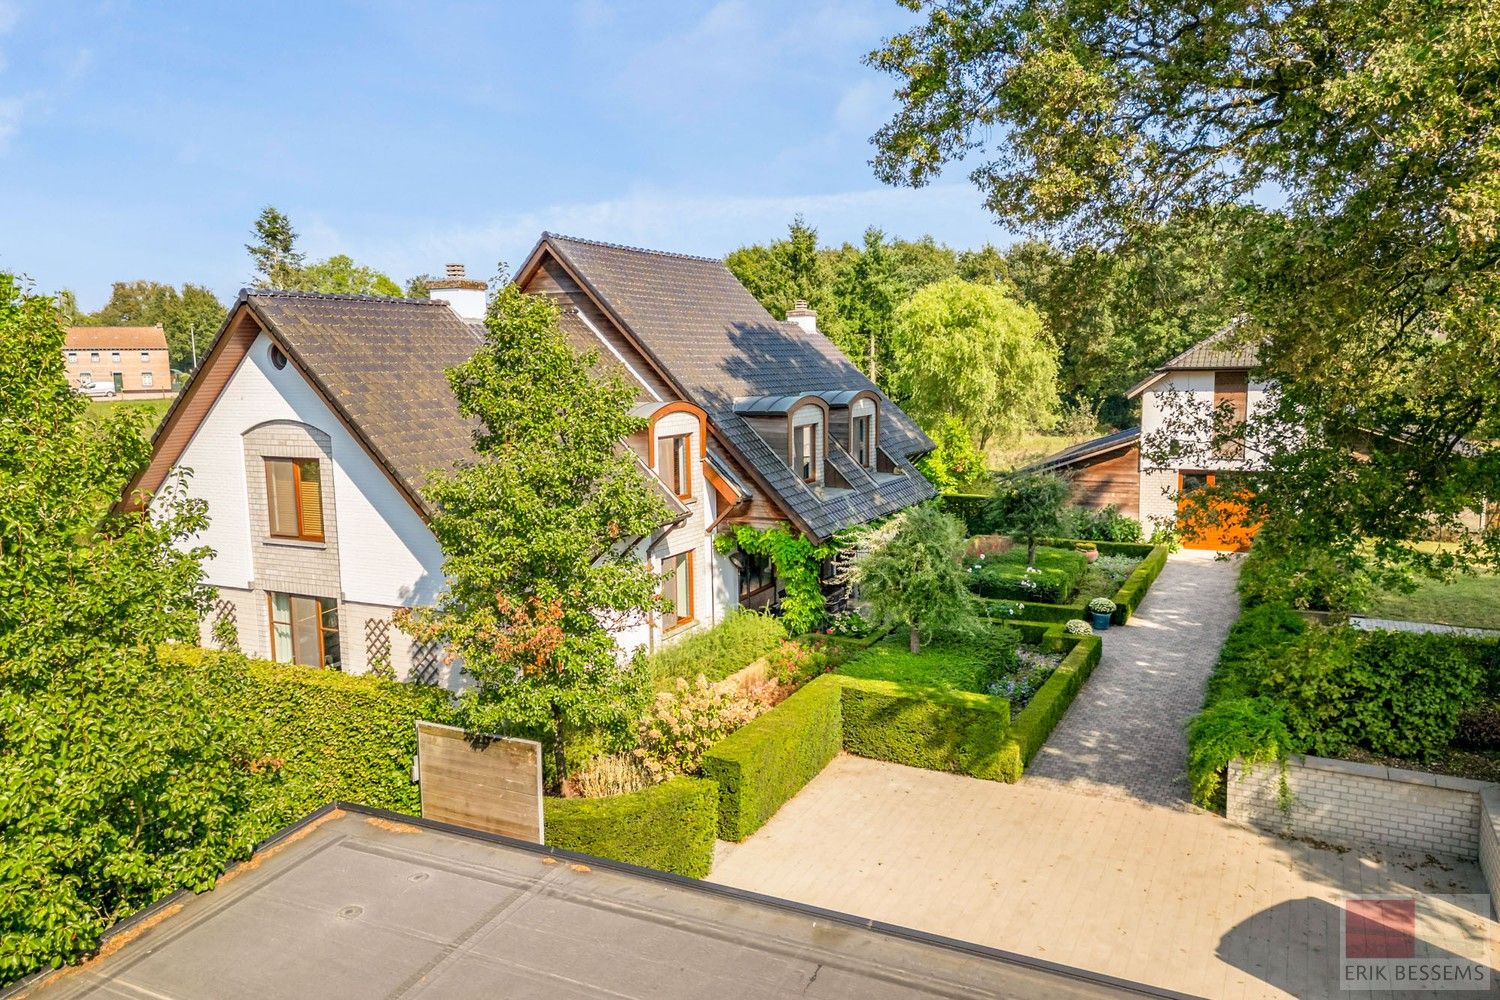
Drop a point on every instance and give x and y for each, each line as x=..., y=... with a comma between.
x=1169, y=897
x=1124, y=736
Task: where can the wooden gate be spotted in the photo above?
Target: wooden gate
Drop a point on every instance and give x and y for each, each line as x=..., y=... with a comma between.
x=489, y=783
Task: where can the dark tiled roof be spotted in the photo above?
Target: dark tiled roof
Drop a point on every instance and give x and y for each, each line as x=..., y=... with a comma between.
x=711, y=336
x=384, y=362
x=1226, y=349
x=1088, y=449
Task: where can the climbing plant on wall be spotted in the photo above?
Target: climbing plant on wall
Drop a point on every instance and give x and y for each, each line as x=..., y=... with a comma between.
x=797, y=561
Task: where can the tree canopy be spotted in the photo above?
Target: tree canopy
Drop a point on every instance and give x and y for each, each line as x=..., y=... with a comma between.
x=118, y=783
x=913, y=576
x=539, y=536
x=279, y=263
x=1366, y=131
x=195, y=313
x=1029, y=505
x=970, y=352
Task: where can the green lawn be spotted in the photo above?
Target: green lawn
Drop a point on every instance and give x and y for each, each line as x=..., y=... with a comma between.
x=951, y=665
x=152, y=409
x=1471, y=601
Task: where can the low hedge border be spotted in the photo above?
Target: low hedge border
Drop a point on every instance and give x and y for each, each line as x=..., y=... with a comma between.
x=669, y=827
x=1127, y=598
x=958, y=731
x=1031, y=727
x=763, y=764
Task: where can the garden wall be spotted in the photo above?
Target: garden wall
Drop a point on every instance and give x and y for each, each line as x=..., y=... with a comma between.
x=1362, y=805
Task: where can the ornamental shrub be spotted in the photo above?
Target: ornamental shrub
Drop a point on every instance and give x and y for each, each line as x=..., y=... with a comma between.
x=739, y=640
x=940, y=730
x=684, y=722
x=1077, y=626
x=1051, y=580
x=1299, y=577
x=1250, y=728
x=1001, y=659
x=1104, y=525
x=768, y=761
x=669, y=827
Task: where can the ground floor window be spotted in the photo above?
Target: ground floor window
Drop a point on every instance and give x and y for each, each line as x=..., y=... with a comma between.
x=305, y=630
x=677, y=588
x=757, y=579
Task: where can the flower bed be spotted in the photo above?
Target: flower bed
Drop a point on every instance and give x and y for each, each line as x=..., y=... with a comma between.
x=739, y=640
x=1053, y=579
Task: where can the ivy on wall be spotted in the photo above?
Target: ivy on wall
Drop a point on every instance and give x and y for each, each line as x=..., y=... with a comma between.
x=798, y=564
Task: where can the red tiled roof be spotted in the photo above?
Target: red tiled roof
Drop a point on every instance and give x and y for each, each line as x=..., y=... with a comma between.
x=115, y=338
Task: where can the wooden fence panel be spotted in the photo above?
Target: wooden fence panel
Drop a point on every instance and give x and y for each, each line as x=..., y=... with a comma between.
x=489, y=783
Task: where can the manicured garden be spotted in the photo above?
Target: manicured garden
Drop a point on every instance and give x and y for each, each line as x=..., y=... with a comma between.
x=1286, y=684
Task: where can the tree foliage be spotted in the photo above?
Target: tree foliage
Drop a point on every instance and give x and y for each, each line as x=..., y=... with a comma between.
x=274, y=251
x=1029, y=505
x=914, y=576
x=118, y=782
x=279, y=263
x=970, y=352
x=539, y=535
x=1373, y=288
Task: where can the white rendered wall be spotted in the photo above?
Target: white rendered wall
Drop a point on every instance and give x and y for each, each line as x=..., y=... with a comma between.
x=387, y=556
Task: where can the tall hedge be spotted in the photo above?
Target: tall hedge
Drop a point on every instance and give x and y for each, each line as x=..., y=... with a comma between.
x=314, y=736
x=763, y=764
x=669, y=827
x=958, y=731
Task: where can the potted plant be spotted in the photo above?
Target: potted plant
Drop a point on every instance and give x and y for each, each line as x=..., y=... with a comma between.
x=1101, y=610
x=1077, y=626
x=1089, y=549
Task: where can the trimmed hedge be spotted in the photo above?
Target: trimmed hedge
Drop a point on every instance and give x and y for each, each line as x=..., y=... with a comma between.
x=1133, y=590
x=763, y=764
x=1030, y=729
x=1008, y=577
x=956, y=731
x=1136, y=550
x=669, y=827
x=316, y=736
x=1127, y=598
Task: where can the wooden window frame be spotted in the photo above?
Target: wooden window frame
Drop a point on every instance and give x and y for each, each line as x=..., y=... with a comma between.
x=865, y=440
x=301, y=535
x=686, y=559
x=814, y=437
x=291, y=624
x=666, y=447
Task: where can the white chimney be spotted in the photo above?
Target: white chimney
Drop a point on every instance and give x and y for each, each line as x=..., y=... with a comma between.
x=464, y=295
x=803, y=316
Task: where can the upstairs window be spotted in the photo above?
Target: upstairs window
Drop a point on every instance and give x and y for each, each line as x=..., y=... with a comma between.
x=72, y=355
x=864, y=434
x=94, y=356
x=673, y=461
x=805, y=451
x=114, y=356
x=677, y=589
x=145, y=357
x=294, y=498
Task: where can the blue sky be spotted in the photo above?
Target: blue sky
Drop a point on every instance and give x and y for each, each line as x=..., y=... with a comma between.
x=140, y=140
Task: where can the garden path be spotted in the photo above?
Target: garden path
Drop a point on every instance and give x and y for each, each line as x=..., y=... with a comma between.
x=1123, y=736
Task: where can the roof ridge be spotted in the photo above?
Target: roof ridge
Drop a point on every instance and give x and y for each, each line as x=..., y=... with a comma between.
x=633, y=249
x=292, y=293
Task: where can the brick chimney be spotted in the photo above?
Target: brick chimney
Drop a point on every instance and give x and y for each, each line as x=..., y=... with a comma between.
x=463, y=294
x=803, y=316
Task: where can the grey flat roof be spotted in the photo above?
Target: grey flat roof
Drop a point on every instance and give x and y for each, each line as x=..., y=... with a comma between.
x=361, y=904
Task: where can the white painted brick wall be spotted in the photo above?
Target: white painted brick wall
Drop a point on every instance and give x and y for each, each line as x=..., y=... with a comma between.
x=1363, y=805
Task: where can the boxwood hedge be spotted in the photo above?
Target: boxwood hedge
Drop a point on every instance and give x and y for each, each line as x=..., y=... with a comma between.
x=669, y=827
x=763, y=764
x=940, y=730
x=1034, y=723
x=1127, y=598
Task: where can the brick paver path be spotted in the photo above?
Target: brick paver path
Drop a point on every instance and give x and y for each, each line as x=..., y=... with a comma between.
x=1176, y=899
x=1123, y=734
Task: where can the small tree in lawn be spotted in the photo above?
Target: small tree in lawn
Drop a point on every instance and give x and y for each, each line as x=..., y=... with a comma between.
x=1029, y=506
x=914, y=576
x=539, y=535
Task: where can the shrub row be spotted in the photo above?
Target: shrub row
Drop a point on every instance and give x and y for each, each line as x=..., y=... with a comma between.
x=1134, y=589
x=1127, y=598
x=956, y=731
x=669, y=827
x=1136, y=550
x=1030, y=729
x=739, y=640
x=762, y=765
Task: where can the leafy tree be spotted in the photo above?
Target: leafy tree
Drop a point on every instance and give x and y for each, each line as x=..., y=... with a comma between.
x=118, y=783
x=1371, y=289
x=340, y=275
x=195, y=313
x=1030, y=506
x=416, y=287
x=865, y=296
x=539, y=535
x=971, y=352
x=955, y=464
x=278, y=262
x=914, y=576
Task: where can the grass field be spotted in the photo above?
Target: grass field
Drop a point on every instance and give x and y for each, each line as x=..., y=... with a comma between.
x=153, y=409
x=1029, y=448
x=1470, y=601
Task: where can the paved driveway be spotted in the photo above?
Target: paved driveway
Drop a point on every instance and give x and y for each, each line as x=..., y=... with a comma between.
x=1168, y=897
x=1123, y=734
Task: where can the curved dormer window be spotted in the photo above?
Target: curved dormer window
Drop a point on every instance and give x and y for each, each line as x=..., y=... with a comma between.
x=864, y=429
x=805, y=451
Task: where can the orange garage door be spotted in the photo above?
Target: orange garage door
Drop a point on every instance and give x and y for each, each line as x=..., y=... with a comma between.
x=1222, y=526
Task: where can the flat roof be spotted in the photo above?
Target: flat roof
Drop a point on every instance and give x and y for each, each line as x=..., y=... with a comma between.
x=359, y=903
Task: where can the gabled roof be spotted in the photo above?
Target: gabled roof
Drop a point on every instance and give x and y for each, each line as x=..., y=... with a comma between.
x=1084, y=450
x=716, y=344
x=115, y=338
x=1225, y=350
